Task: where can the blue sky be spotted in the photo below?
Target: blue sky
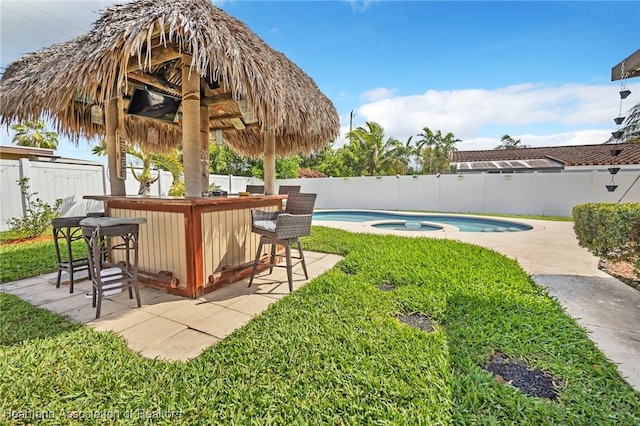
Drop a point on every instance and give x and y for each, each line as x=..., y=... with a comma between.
x=539, y=71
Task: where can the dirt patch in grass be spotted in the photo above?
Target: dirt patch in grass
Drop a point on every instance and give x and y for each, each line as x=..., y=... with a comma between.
x=386, y=286
x=517, y=373
x=28, y=240
x=421, y=322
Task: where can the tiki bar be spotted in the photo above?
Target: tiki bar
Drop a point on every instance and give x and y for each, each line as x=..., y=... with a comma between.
x=172, y=73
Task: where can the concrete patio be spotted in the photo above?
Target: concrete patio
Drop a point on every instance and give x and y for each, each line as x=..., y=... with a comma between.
x=166, y=326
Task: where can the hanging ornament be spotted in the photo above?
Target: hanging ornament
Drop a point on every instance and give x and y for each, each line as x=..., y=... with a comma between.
x=618, y=133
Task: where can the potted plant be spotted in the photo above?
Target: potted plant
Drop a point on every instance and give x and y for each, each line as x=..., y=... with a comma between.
x=216, y=191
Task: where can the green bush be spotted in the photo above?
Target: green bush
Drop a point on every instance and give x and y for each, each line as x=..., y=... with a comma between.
x=609, y=230
x=38, y=215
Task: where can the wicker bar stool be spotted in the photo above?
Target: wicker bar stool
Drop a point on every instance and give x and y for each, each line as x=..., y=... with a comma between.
x=284, y=228
x=105, y=236
x=68, y=229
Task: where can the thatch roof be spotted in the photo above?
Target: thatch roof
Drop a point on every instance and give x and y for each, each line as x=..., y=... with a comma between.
x=140, y=44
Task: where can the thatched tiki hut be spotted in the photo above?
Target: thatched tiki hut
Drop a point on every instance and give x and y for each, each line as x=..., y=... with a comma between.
x=167, y=72
x=164, y=73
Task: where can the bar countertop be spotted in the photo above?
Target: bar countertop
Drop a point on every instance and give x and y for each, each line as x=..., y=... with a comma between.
x=186, y=201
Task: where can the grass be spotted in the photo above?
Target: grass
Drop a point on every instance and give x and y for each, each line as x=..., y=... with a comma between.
x=8, y=236
x=528, y=216
x=333, y=352
x=31, y=258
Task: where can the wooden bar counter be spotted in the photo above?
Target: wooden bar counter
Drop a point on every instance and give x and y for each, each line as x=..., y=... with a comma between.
x=191, y=246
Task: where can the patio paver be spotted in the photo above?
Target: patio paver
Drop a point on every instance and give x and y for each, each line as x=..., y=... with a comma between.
x=182, y=346
x=169, y=327
x=151, y=332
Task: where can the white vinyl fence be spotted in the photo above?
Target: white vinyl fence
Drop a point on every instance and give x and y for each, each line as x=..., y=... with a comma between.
x=49, y=181
x=72, y=180
x=538, y=193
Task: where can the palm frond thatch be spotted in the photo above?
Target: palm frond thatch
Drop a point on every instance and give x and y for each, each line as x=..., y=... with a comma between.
x=223, y=51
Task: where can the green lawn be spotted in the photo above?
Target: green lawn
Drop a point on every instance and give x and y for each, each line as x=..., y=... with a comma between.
x=334, y=352
x=31, y=258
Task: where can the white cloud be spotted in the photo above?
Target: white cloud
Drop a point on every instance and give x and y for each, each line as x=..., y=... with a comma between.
x=359, y=5
x=581, y=137
x=30, y=26
x=378, y=94
x=539, y=114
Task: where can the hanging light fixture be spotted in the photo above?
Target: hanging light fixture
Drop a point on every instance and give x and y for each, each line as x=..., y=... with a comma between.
x=618, y=133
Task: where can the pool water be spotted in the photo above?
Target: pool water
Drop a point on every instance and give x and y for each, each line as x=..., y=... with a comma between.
x=407, y=226
x=415, y=222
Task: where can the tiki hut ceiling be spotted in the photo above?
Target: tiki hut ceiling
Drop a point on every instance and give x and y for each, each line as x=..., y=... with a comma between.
x=246, y=86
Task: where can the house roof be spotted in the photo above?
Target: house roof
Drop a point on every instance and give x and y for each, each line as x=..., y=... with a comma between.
x=23, y=151
x=38, y=154
x=575, y=155
x=506, y=165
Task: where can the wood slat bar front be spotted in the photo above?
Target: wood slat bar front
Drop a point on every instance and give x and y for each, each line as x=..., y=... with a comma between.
x=205, y=243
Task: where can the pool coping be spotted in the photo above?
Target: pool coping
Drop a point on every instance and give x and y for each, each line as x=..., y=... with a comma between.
x=347, y=225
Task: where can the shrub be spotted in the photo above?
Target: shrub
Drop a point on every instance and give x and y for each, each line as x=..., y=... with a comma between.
x=38, y=215
x=608, y=230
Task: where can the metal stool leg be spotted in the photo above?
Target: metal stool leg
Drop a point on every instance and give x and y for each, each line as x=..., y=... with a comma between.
x=304, y=265
x=68, y=240
x=287, y=249
x=272, y=260
x=255, y=263
x=56, y=232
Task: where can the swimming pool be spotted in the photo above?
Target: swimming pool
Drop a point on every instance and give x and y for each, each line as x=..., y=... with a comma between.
x=402, y=221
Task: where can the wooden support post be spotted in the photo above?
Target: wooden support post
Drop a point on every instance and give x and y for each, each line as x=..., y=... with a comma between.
x=112, y=122
x=204, y=146
x=269, y=139
x=191, y=129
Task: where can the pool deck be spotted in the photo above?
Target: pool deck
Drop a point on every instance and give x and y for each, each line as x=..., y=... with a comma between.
x=606, y=307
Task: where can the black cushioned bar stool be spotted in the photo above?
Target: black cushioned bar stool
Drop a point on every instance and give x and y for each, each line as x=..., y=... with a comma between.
x=66, y=230
x=105, y=237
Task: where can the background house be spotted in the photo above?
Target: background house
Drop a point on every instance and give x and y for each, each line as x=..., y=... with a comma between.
x=547, y=159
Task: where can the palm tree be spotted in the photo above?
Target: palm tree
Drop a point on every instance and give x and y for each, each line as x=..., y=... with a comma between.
x=169, y=162
x=369, y=141
x=435, y=149
x=631, y=125
x=402, y=155
x=34, y=133
x=507, y=142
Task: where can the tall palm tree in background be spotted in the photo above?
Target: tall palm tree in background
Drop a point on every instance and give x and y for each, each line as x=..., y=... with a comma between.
x=631, y=125
x=402, y=155
x=368, y=143
x=507, y=142
x=34, y=133
x=168, y=162
x=435, y=149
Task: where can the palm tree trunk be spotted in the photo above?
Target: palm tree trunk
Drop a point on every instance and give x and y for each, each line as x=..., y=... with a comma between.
x=191, y=129
x=269, y=139
x=113, y=145
x=204, y=147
